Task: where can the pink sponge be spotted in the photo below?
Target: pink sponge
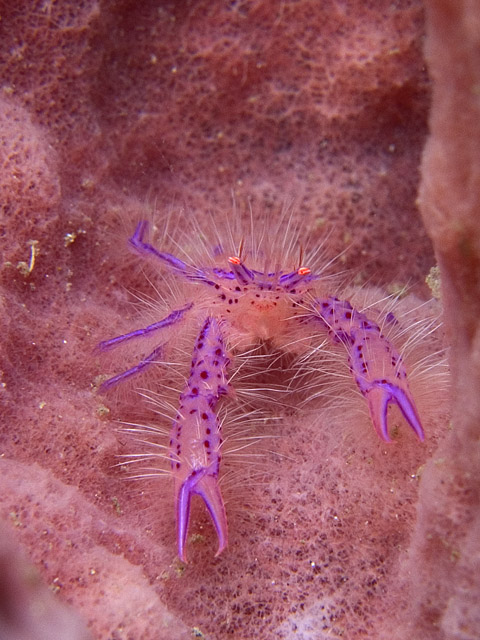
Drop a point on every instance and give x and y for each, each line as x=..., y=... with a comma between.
x=110, y=108
x=29, y=182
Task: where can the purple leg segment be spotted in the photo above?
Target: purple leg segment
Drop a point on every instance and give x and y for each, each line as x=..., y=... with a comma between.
x=171, y=319
x=174, y=317
x=150, y=359
x=178, y=266
x=137, y=242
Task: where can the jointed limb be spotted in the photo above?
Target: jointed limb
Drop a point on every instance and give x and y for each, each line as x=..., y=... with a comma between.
x=374, y=362
x=196, y=439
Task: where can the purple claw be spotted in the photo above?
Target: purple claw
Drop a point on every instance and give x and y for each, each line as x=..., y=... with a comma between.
x=205, y=485
x=183, y=500
x=379, y=396
x=374, y=362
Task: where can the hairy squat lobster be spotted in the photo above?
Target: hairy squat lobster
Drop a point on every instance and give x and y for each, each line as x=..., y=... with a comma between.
x=240, y=306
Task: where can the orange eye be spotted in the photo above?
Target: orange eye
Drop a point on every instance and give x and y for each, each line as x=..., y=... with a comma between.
x=303, y=271
x=234, y=260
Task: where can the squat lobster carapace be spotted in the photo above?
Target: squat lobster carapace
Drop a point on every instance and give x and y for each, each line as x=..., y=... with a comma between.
x=240, y=306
